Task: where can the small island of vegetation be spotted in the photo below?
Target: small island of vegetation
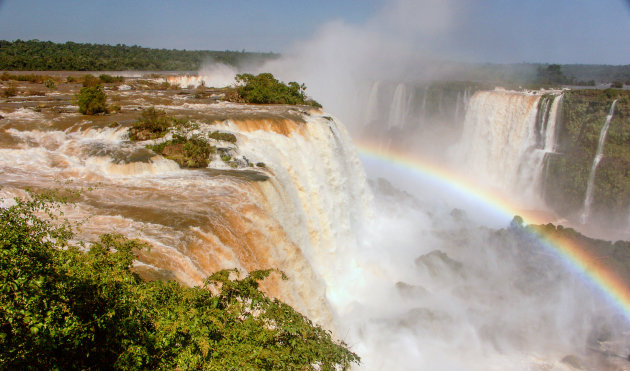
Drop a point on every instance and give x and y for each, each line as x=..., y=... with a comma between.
x=264, y=88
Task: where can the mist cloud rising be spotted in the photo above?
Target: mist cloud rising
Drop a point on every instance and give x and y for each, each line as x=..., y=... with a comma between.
x=404, y=41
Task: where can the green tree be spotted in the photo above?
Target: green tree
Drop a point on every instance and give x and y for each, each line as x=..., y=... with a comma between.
x=92, y=100
x=552, y=75
x=264, y=88
x=66, y=307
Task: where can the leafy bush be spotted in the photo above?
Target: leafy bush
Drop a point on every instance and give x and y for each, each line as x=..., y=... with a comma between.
x=193, y=152
x=266, y=89
x=90, y=81
x=219, y=135
x=92, y=100
x=152, y=124
x=62, y=308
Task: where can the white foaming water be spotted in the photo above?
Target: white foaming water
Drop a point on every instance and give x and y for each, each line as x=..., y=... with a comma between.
x=318, y=190
x=406, y=286
x=599, y=153
x=500, y=145
x=214, y=76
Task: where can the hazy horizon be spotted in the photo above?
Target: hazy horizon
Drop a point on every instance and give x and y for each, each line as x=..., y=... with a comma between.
x=490, y=31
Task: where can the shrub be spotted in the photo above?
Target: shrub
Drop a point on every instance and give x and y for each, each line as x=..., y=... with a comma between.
x=90, y=81
x=266, y=89
x=193, y=152
x=219, y=135
x=92, y=100
x=70, y=79
x=617, y=85
x=152, y=124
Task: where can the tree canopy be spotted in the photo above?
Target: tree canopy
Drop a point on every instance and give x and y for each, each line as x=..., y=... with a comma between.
x=65, y=306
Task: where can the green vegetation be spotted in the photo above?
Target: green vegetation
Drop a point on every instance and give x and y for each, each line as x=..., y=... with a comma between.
x=90, y=80
x=552, y=75
x=108, y=79
x=92, y=100
x=192, y=152
x=68, y=307
x=219, y=135
x=38, y=55
x=152, y=124
x=583, y=115
x=614, y=255
x=617, y=85
x=37, y=79
x=266, y=89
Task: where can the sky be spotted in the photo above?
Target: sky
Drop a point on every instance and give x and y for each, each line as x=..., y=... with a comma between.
x=503, y=31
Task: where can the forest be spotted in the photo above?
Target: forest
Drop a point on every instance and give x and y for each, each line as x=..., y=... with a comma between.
x=35, y=55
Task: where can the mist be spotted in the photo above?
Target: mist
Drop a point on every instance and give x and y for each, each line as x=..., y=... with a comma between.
x=433, y=284
x=438, y=280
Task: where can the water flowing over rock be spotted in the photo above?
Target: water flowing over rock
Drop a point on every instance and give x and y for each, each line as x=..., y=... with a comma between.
x=295, y=214
x=599, y=153
x=506, y=136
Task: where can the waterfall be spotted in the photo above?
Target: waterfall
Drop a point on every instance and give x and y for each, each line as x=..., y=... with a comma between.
x=372, y=109
x=505, y=139
x=588, y=199
x=458, y=105
x=412, y=286
x=299, y=213
x=423, y=107
x=399, y=108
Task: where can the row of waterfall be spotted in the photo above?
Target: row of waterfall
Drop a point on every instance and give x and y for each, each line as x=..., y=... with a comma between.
x=499, y=138
x=407, y=286
x=503, y=140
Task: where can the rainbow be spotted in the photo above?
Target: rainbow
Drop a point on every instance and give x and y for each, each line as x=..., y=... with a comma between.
x=578, y=259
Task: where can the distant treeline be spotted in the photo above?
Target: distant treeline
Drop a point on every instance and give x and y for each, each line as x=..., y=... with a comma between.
x=552, y=74
x=35, y=55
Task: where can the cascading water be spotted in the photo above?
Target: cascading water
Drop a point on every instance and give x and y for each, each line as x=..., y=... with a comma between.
x=406, y=285
x=599, y=153
x=505, y=139
x=301, y=209
x=399, y=109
